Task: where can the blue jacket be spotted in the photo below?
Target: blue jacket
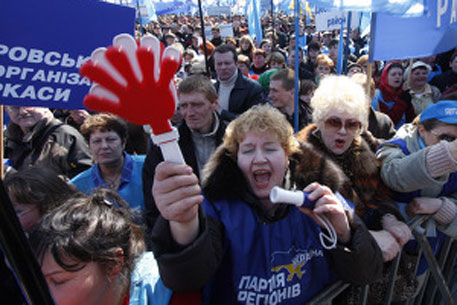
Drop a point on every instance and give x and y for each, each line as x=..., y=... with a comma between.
x=146, y=287
x=130, y=187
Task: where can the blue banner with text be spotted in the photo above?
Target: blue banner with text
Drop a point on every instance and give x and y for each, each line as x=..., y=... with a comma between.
x=44, y=43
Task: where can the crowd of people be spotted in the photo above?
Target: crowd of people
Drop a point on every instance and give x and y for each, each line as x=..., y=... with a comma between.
x=111, y=222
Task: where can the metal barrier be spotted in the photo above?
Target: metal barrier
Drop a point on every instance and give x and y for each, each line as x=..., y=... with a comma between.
x=442, y=274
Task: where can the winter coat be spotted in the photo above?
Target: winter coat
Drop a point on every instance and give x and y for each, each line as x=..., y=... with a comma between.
x=241, y=247
x=51, y=144
x=245, y=94
x=445, y=80
x=380, y=125
x=362, y=184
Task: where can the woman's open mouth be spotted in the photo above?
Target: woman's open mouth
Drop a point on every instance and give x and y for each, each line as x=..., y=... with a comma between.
x=339, y=143
x=261, y=178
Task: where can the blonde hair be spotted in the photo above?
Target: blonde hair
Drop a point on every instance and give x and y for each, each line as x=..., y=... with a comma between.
x=342, y=95
x=324, y=59
x=362, y=60
x=260, y=118
x=361, y=79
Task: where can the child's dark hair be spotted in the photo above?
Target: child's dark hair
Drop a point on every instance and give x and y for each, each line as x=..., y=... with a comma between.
x=91, y=229
x=39, y=186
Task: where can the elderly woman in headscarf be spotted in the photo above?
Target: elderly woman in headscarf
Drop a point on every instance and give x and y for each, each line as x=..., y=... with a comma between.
x=422, y=94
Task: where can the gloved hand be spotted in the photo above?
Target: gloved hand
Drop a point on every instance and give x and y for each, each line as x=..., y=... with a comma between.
x=135, y=83
x=398, y=229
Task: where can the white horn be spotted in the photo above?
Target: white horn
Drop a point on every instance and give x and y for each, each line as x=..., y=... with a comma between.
x=280, y=195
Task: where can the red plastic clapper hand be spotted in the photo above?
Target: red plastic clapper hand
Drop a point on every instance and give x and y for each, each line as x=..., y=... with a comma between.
x=136, y=83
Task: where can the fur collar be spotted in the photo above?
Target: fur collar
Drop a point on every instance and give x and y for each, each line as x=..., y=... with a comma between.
x=358, y=163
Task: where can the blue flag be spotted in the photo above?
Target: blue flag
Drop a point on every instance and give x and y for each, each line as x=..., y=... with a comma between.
x=393, y=37
x=146, y=12
x=365, y=20
x=253, y=13
x=398, y=7
x=173, y=7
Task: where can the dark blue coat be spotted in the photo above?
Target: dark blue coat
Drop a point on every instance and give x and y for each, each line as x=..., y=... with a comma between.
x=245, y=94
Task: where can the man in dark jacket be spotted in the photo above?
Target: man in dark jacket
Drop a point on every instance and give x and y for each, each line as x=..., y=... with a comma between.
x=236, y=92
x=282, y=85
x=35, y=138
x=449, y=78
x=282, y=37
x=199, y=134
x=303, y=72
x=217, y=39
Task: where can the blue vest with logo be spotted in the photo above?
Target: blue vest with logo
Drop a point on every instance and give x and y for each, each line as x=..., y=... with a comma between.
x=276, y=263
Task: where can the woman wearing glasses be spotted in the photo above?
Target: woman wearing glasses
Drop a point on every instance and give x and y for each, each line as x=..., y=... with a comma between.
x=421, y=164
x=340, y=114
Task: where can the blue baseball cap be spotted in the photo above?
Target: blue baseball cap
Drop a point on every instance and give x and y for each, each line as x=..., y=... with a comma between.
x=444, y=111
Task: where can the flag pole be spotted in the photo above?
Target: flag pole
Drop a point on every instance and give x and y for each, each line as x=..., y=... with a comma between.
x=346, y=48
x=372, y=36
x=272, y=25
x=370, y=55
x=139, y=17
x=369, y=77
x=202, y=24
x=408, y=79
x=297, y=68
x=339, y=61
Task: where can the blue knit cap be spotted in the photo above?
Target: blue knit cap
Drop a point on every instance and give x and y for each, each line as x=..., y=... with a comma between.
x=444, y=111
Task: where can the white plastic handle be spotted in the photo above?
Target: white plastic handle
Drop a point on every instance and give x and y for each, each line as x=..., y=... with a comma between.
x=168, y=143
